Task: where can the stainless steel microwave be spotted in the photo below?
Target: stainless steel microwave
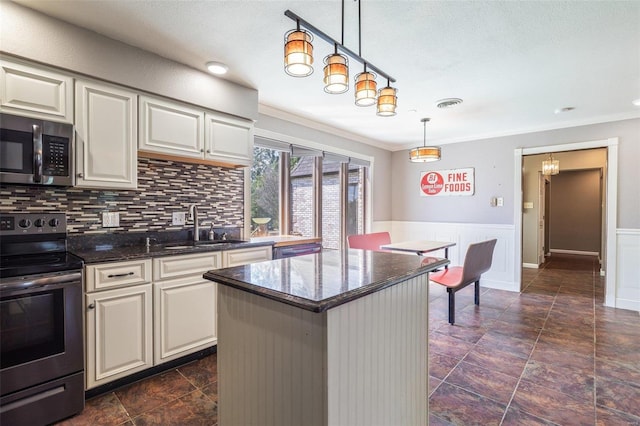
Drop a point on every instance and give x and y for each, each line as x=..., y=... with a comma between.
x=35, y=151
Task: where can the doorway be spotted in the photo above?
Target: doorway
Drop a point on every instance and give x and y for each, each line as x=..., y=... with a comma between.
x=609, y=208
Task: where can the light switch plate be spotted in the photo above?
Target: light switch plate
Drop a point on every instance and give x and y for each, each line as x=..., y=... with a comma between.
x=500, y=201
x=178, y=218
x=110, y=219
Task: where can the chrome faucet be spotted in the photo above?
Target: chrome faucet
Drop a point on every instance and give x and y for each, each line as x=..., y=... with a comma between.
x=193, y=214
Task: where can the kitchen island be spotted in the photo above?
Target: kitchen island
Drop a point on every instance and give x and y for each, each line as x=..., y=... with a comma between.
x=336, y=338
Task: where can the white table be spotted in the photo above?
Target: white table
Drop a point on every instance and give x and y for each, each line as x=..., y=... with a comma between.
x=420, y=247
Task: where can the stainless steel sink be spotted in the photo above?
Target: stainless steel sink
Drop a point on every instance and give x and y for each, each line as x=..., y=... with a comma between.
x=200, y=243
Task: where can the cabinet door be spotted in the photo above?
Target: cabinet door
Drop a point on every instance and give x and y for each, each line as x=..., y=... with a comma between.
x=185, y=317
x=228, y=140
x=245, y=256
x=170, y=128
x=119, y=333
x=106, y=124
x=35, y=92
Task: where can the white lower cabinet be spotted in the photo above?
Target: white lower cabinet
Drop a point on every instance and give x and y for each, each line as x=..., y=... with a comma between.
x=241, y=257
x=185, y=317
x=119, y=333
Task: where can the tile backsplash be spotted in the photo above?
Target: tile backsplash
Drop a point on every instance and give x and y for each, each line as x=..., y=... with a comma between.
x=164, y=187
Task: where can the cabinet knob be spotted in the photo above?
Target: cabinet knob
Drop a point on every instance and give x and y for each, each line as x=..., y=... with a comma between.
x=208, y=151
x=201, y=150
x=92, y=306
x=80, y=175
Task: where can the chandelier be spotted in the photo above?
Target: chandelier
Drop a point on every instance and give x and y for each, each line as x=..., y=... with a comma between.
x=298, y=62
x=550, y=166
x=424, y=153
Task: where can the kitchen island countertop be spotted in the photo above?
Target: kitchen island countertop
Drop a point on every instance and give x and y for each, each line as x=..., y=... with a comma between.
x=325, y=280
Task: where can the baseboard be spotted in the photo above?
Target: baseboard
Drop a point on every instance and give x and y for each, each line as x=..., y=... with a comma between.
x=578, y=252
x=531, y=265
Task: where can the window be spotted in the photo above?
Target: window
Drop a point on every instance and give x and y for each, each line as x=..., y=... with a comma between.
x=319, y=194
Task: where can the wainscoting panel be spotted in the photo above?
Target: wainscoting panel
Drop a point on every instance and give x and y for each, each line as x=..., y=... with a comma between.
x=628, y=269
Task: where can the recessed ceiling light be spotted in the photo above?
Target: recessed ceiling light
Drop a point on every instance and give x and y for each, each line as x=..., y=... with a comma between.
x=217, y=68
x=636, y=102
x=565, y=109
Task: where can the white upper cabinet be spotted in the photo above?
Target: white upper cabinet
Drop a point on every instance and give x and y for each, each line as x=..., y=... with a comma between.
x=174, y=131
x=106, y=126
x=228, y=140
x=170, y=128
x=35, y=92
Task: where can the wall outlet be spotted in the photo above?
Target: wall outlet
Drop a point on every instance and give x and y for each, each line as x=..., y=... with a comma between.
x=500, y=201
x=110, y=219
x=178, y=218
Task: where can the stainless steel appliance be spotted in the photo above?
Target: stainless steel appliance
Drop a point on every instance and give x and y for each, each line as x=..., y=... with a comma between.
x=35, y=152
x=296, y=250
x=41, y=339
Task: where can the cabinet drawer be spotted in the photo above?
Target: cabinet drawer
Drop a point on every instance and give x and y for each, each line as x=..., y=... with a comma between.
x=117, y=274
x=188, y=264
x=246, y=256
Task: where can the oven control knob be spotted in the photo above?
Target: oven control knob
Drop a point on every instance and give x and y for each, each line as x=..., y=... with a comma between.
x=54, y=223
x=24, y=223
x=39, y=223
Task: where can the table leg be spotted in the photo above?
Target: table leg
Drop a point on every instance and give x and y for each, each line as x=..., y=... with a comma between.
x=446, y=256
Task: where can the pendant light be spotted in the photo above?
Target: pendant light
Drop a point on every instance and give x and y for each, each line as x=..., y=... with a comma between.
x=366, y=87
x=298, y=52
x=387, y=101
x=336, y=73
x=550, y=166
x=424, y=153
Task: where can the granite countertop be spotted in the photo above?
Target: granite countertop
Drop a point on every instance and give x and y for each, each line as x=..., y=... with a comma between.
x=112, y=253
x=286, y=240
x=322, y=281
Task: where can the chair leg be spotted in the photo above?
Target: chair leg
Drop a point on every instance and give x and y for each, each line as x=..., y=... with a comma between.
x=452, y=305
x=477, y=298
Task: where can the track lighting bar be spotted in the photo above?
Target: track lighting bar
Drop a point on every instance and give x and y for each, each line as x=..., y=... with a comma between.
x=331, y=40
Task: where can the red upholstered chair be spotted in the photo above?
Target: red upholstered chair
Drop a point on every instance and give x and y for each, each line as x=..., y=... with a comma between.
x=369, y=241
x=477, y=261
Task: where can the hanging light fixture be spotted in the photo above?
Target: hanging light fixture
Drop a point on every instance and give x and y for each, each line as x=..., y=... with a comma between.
x=550, y=166
x=336, y=73
x=366, y=86
x=424, y=153
x=298, y=52
x=387, y=101
x=336, y=70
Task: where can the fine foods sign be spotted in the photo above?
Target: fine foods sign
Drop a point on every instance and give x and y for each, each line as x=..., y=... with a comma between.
x=447, y=182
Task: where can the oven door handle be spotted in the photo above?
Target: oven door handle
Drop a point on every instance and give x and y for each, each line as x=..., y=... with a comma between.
x=48, y=282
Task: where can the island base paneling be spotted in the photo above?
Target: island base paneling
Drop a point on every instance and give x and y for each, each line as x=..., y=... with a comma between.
x=360, y=363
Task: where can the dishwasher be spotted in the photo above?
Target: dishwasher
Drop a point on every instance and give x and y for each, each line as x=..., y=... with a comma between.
x=296, y=250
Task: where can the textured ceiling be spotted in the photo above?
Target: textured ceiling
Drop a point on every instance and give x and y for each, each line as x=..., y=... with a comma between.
x=514, y=63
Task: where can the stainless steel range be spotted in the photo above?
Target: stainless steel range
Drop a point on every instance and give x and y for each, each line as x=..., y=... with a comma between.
x=41, y=339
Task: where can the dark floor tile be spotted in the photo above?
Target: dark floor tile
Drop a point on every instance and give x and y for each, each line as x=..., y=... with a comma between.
x=192, y=409
x=623, y=353
x=497, y=386
x=446, y=345
x=461, y=407
x=516, y=330
x=574, y=343
x=529, y=321
x=558, y=354
x=577, y=382
x=618, y=396
x=148, y=394
x=496, y=360
x=437, y=421
x=616, y=371
x=105, y=409
x=433, y=384
x=202, y=372
x=515, y=417
x=462, y=332
x=211, y=391
x=441, y=365
x=552, y=405
x=607, y=417
x=512, y=345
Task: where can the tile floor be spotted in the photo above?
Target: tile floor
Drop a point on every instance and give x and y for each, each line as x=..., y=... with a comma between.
x=550, y=355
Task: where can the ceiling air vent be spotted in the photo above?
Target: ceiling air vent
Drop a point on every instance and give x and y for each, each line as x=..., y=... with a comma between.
x=448, y=102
